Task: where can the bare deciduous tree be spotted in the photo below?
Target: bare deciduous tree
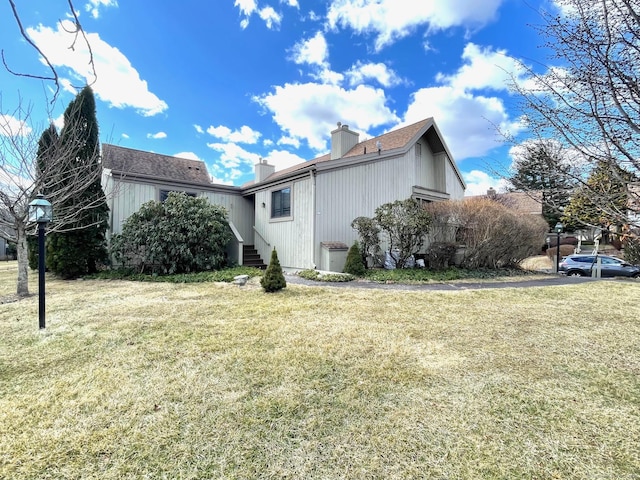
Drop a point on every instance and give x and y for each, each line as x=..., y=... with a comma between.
x=591, y=103
x=78, y=34
x=22, y=177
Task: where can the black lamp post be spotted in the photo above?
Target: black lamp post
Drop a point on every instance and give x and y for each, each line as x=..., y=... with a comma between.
x=41, y=211
x=558, y=229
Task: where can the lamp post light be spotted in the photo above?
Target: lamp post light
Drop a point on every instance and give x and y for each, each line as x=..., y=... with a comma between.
x=40, y=211
x=558, y=229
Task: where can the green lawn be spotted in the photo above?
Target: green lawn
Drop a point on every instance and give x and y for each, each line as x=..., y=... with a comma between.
x=210, y=380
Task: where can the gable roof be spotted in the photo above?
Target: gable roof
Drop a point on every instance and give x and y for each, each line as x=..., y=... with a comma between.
x=392, y=142
x=524, y=203
x=137, y=163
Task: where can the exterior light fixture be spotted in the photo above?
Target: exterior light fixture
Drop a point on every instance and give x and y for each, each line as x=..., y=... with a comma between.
x=41, y=211
x=558, y=229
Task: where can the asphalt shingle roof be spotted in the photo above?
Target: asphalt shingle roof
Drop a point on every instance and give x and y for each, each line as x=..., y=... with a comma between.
x=127, y=161
x=391, y=140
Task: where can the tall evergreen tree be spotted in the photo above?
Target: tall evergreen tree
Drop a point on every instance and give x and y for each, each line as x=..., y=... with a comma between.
x=79, y=247
x=540, y=168
x=602, y=201
x=47, y=145
x=588, y=99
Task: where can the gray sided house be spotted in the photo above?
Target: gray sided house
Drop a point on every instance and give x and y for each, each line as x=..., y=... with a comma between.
x=305, y=211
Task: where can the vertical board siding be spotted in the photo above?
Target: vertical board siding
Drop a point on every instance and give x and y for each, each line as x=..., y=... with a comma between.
x=293, y=239
x=126, y=198
x=454, y=185
x=348, y=193
x=239, y=209
x=425, y=174
x=440, y=164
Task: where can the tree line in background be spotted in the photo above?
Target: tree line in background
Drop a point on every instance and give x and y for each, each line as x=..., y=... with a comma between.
x=585, y=116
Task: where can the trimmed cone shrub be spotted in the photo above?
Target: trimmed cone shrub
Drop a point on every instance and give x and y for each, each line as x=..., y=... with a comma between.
x=354, y=264
x=273, y=279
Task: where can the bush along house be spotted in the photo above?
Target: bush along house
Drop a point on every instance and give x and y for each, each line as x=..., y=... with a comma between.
x=304, y=211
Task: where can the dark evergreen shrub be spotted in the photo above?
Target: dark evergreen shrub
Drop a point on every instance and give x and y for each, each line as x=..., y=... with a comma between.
x=273, y=279
x=354, y=264
x=183, y=234
x=32, y=250
x=632, y=250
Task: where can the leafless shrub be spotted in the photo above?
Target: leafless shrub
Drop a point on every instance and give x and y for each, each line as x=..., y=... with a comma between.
x=493, y=235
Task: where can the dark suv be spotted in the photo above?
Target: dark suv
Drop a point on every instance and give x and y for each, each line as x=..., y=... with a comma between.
x=582, y=265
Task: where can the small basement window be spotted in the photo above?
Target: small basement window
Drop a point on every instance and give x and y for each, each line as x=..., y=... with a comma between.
x=281, y=203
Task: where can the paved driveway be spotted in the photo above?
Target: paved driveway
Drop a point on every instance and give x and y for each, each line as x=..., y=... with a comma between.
x=453, y=286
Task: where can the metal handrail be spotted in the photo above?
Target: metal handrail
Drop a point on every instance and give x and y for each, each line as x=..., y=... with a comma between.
x=261, y=236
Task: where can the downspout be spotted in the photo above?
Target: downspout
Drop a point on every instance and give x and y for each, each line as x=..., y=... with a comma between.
x=312, y=174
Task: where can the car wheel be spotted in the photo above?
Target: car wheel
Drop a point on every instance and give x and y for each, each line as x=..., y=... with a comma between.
x=636, y=275
x=575, y=273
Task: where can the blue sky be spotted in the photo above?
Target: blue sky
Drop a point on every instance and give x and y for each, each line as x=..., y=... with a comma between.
x=231, y=81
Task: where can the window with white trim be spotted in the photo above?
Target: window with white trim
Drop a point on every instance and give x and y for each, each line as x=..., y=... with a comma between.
x=281, y=203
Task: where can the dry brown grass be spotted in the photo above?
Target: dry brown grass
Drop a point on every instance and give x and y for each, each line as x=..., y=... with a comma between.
x=146, y=380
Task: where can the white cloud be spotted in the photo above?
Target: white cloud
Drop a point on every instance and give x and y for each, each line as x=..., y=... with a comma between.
x=221, y=181
x=484, y=68
x=291, y=3
x=282, y=159
x=328, y=76
x=391, y=20
x=313, y=51
x=59, y=121
x=361, y=72
x=244, y=135
x=93, y=7
x=472, y=123
x=198, y=128
x=479, y=182
x=271, y=17
x=124, y=135
x=467, y=122
x=117, y=82
x=11, y=126
x=247, y=8
x=293, y=142
x=233, y=156
x=157, y=136
x=188, y=156
x=309, y=112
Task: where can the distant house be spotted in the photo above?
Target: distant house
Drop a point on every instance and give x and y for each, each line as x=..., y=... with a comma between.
x=305, y=211
x=525, y=203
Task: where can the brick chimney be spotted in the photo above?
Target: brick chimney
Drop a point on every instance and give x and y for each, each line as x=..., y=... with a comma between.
x=263, y=170
x=342, y=140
